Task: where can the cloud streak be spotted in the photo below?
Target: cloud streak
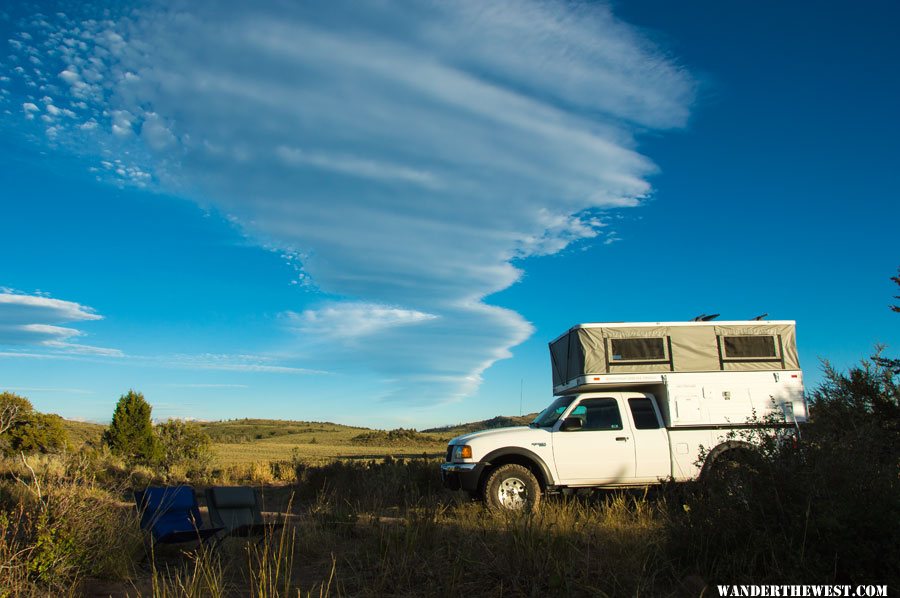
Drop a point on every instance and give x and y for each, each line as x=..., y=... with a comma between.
x=409, y=151
x=33, y=320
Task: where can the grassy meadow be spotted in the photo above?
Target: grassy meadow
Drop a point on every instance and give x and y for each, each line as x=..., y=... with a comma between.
x=362, y=519
x=242, y=442
x=247, y=441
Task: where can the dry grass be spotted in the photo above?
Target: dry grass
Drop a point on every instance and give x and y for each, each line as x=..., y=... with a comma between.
x=288, y=449
x=826, y=512
x=58, y=527
x=315, y=443
x=373, y=528
x=246, y=441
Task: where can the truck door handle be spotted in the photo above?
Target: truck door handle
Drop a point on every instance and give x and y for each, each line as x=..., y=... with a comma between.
x=621, y=438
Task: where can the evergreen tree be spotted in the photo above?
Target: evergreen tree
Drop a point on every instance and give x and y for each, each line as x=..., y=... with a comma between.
x=891, y=364
x=896, y=280
x=130, y=434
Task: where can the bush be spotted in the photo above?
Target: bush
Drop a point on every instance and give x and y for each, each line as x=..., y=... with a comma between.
x=40, y=433
x=56, y=528
x=825, y=512
x=391, y=437
x=373, y=484
x=13, y=408
x=183, y=444
x=24, y=429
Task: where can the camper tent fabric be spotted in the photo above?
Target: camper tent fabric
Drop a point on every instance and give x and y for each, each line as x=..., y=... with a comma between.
x=693, y=347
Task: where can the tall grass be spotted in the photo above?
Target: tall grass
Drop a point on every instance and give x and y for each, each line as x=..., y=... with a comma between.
x=825, y=512
x=57, y=527
x=200, y=573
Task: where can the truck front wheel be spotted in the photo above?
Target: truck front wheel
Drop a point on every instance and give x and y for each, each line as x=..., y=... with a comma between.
x=512, y=487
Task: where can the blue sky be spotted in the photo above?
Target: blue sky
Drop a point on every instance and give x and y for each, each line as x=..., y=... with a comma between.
x=380, y=214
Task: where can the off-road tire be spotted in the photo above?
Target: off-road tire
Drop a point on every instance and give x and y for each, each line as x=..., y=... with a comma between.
x=512, y=488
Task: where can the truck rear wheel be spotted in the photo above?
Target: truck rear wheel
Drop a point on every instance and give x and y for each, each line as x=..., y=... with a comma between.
x=733, y=473
x=512, y=487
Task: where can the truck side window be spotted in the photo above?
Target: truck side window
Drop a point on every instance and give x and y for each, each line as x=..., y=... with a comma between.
x=643, y=413
x=601, y=414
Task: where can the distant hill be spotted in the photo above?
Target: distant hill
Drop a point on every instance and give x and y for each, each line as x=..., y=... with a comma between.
x=82, y=432
x=400, y=436
x=253, y=430
x=501, y=421
x=248, y=430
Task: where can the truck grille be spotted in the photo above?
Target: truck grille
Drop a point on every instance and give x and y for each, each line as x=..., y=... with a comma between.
x=449, y=453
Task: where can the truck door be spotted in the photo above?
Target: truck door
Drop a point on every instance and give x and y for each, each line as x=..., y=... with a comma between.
x=601, y=451
x=651, y=440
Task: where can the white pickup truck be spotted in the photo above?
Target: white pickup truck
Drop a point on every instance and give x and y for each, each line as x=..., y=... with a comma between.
x=636, y=403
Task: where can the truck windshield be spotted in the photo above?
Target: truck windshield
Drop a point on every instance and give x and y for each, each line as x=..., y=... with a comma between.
x=548, y=416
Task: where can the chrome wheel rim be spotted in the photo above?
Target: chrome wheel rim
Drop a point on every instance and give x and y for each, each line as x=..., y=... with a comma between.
x=513, y=494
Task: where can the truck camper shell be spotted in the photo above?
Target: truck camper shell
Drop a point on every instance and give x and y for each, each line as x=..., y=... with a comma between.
x=702, y=372
x=640, y=402
x=663, y=347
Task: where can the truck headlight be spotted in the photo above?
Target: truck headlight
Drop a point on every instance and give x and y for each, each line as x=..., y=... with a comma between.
x=462, y=451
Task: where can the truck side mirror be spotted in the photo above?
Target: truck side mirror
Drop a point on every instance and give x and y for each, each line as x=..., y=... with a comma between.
x=570, y=423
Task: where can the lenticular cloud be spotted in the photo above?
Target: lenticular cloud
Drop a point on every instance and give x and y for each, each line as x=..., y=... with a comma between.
x=408, y=151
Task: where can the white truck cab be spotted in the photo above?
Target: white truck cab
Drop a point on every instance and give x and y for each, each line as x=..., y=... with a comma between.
x=636, y=403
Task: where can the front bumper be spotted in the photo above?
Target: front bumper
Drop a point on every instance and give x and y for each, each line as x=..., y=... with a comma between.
x=461, y=476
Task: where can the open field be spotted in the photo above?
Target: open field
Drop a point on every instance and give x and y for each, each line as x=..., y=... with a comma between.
x=240, y=442
x=246, y=441
x=298, y=448
x=80, y=433
x=360, y=523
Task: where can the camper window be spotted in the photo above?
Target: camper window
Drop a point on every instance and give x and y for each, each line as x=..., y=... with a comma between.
x=633, y=350
x=755, y=348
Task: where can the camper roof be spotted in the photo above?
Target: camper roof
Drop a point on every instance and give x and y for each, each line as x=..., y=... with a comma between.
x=661, y=347
x=671, y=324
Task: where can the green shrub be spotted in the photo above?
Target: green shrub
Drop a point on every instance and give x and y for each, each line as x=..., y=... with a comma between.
x=13, y=408
x=57, y=528
x=22, y=429
x=827, y=511
x=391, y=437
x=183, y=444
x=373, y=484
x=37, y=433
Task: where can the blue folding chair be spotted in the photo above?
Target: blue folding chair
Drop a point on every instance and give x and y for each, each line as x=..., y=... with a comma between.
x=171, y=515
x=237, y=510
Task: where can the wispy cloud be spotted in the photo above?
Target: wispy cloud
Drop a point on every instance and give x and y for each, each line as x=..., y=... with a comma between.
x=32, y=355
x=74, y=391
x=355, y=166
x=29, y=330
x=409, y=151
x=353, y=320
x=210, y=386
x=19, y=308
x=84, y=349
x=226, y=363
x=33, y=320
